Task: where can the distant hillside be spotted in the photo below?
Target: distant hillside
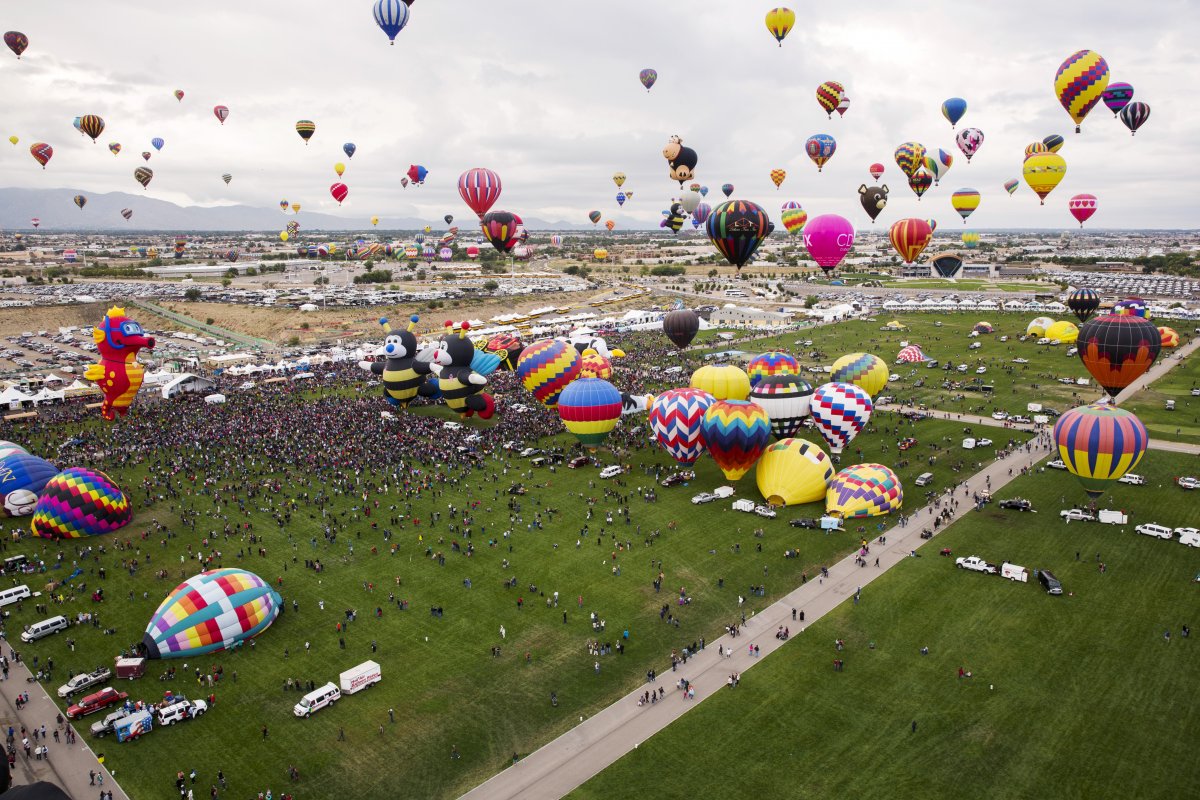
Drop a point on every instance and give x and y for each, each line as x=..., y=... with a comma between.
x=57, y=212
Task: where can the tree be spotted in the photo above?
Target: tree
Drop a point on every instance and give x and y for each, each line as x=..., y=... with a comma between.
x=231, y=272
x=193, y=294
x=811, y=300
x=226, y=282
x=712, y=273
x=490, y=286
x=209, y=321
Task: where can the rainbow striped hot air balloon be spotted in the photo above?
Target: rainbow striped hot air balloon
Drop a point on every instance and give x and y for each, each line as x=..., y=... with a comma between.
x=1100, y=443
x=590, y=408
x=772, y=363
x=736, y=432
x=675, y=417
x=546, y=368
x=793, y=216
x=80, y=502
x=965, y=201
x=864, y=490
x=866, y=371
x=209, y=612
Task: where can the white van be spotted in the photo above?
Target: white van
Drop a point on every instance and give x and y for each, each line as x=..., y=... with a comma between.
x=1129, y=477
x=365, y=674
x=14, y=595
x=44, y=628
x=924, y=479
x=317, y=699
x=611, y=471
x=1160, y=531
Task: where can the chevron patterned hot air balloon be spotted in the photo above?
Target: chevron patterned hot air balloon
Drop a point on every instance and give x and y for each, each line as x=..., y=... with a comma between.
x=787, y=399
x=1080, y=83
x=1117, y=349
x=793, y=471
x=590, y=408
x=840, y=410
x=546, y=368
x=864, y=490
x=675, y=417
x=736, y=432
x=80, y=502
x=1100, y=443
x=772, y=363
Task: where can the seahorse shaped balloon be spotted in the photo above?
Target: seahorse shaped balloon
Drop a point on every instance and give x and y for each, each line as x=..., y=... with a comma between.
x=119, y=375
x=462, y=387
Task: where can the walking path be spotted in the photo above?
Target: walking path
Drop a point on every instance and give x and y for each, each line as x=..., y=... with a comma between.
x=65, y=765
x=568, y=761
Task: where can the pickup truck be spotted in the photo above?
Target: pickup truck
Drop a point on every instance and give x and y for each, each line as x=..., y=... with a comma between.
x=84, y=680
x=1076, y=515
x=96, y=702
x=976, y=564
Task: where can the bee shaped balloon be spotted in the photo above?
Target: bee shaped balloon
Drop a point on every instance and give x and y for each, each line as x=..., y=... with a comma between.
x=401, y=382
x=461, y=386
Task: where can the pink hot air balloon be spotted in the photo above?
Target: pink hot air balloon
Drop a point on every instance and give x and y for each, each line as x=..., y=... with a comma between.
x=221, y=113
x=1082, y=206
x=339, y=192
x=828, y=238
x=876, y=170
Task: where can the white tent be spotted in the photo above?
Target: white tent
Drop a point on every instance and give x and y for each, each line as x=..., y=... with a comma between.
x=215, y=399
x=13, y=398
x=187, y=382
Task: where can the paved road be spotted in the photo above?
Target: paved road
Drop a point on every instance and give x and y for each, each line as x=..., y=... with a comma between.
x=571, y=759
x=1164, y=364
x=66, y=765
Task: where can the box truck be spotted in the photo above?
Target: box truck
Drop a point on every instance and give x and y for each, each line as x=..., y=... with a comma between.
x=360, y=677
x=134, y=725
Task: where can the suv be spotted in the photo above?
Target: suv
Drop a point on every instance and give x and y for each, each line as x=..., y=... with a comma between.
x=105, y=726
x=96, y=702
x=804, y=522
x=579, y=461
x=83, y=681
x=184, y=709
x=1150, y=529
x=675, y=478
x=1050, y=582
x=1076, y=515
x=906, y=443
x=1017, y=504
x=765, y=511
x=1187, y=482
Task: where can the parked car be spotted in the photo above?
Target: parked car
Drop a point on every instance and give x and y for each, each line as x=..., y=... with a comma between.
x=105, y=726
x=1056, y=464
x=804, y=522
x=1052, y=584
x=1017, y=504
x=702, y=498
x=1076, y=515
x=1187, y=482
x=906, y=443
x=611, y=471
x=983, y=442
x=579, y=461
x=1000, y=415
x=84, y=680
x=1158, y=531
x=975, y=564
x=1130, y=478
x=529, y=451
x=765, y=511
x=676, y=478
x=1022, y=420
x=96, y=702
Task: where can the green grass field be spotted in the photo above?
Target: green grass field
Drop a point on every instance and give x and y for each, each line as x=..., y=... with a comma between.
x=439, y=675
x=969, y=285
x=1182, y=424
x=1071, y=696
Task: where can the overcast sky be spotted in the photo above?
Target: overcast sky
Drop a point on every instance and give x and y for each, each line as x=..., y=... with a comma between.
x=547, y=94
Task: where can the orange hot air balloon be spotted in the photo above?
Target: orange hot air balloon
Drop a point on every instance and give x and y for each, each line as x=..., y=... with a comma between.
x=610, y=224
x=778, y=176
x=910, y=237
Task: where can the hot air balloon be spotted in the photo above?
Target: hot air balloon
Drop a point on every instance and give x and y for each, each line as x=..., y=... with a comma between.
x=143, y=175
x=146, y=155
x=701, y=213
x=1117, y=349
x=231, y=255
x=911, y=355
x=736, y=432
x=829, y=94
x=590, y=408
x=416, y=174
x=690, y=201
x=840, y=410
x=970, y=239
x=545, y=368
x=1099, y=444
x=306, y=128
x=820, y=148
x=600, y=254
x=1043, y=172
x=722, y=381
x=620, y=198
x=17, y=42
x=13, y=140
x=736, y=228
x=1033, y=148
x=793, y=471
x=283, y=205
x=80, y=502
x=778, y=176
x=864, y=370
x=501, y=228
x=704, y=191
x=920, y=182
x=595, y=216
x=674, y=218
x=727, y=189
x=953, y=110
x=1080, y=82
x=91, y=125
x=793, y=216
x=619, y=179
x=910, y=157
x=938, y=164
x=965, y=201
x=787, y=399
x=212, y=611
x=22, y=479
x=864, y=490
x=843, y=106
x=969, y=140
x=479, y=188
x=179, y=95
x=283, y=236
x=1037, y=326
x=221, y=113
x=681, y=326
x=681, y=160
x=1011, y=185
x=127, y=213
x=76, y=122
x=80, y=200
x=8, y=448
x=873, y=199
x=1082, y=206
x=828, y=238
x=339, y=168
x=157, y=143
x=876, y=170
x=227, y=178
x=41, y=152
x=1117, y=96
x=1169, y=337
x=391, y=16
x=1134, y=116
x=1062, y=332
x=339, y=191
x=35, y=222
x=1083, y=302
x=675, y=417
x=647, y=77
x=771, y=363
x=1054, y=142
x=610, y=224
x=779, y=23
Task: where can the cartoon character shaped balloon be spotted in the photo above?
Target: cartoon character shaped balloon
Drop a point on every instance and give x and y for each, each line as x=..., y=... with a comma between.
x=118, y=340
x=401, y=382
x=22, y=479
x=460, y=385
x=681, y=160
x=873, y=199
x=212, y=611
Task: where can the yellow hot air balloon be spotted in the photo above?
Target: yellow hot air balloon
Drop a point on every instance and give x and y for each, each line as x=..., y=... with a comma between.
x=283, y=236
x=295, y=208
x=374, y=220
x=793, y=471
x=1080, y=83
x=339, y=168
x=1037, y=327
x=599, y=254
x=1062, y=332
x=722, y=381
x=13, y=139
x=864, y=490
x=1044, y=171
x=619, y=179
x=867, y=372
x=779, y=23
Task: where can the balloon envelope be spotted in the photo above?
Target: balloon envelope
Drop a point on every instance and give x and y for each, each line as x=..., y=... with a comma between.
x=80, y=502
x=793, y=471
x=545, y=368
x=22, y=479
x=736, y=432
x=840, y=410
x=1080, y=83
x=771, y=363
x=722, y=381
x=787, y=399
x=675, y=418
x=910, y=237
x=1099, y=444
x=590, y=408
x=211, y=611
x=1118, y=349
x=828, y=238
x=736, y=228
x=866, y=371
x=864, y=490
x=953, y=110
x=681, y=326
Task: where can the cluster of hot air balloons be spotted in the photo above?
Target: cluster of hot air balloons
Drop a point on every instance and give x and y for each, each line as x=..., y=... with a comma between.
x=67, y=504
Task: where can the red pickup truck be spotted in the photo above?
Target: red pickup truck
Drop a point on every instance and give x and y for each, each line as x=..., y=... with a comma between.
x=96, y=702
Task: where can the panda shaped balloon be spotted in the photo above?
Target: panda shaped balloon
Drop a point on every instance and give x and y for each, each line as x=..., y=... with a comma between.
x=682, y=160
x=401, y=381
x=461, y=386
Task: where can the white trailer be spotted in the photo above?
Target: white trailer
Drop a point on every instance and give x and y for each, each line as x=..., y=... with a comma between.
x=1111, y=517
x=744, y=505
x=1014, y=572
x=360, y=677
